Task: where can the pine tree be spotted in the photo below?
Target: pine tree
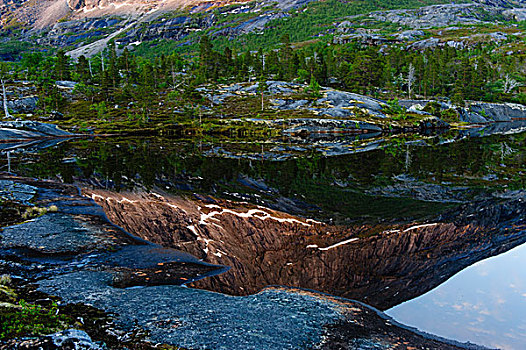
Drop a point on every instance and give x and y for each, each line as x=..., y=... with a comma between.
x=285, y=57
x=82, y=70
x=61, y=69
x=113, y=69
x=205, y=57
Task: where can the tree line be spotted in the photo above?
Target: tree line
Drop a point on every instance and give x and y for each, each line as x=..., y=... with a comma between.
x=475, y=73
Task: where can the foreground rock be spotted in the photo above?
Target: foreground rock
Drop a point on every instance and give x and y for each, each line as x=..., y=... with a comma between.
x=275, y=318
x=76, y=254
x=75, y=227
x=67, y=339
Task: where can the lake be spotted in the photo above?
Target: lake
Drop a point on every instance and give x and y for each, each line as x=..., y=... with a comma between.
x=405, y=223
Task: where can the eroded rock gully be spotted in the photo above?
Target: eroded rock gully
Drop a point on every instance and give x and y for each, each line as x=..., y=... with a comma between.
x=382, y=266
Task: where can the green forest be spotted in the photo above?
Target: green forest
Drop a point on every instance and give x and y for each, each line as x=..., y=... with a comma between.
x=476, y=73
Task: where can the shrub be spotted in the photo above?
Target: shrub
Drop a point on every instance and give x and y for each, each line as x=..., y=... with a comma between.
x=29, y=319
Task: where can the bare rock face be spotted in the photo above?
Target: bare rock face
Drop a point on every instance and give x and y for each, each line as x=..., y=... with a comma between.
x=446, y=14
x=126, y=6
x=380, y=265
x=46, y=13
x=76, y=5
x=7, y=7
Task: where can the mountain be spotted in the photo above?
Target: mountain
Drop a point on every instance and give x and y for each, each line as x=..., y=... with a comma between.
x=41, y=14
x=84, y=27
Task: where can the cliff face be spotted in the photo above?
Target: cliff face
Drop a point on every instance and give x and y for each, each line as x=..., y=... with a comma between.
x=89, y=4
x=46, y=13
x=121, y=6
x=382, y=266
x=87, y=25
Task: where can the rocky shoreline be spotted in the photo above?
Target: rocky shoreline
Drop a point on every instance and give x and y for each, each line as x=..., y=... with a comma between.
x=288, y=110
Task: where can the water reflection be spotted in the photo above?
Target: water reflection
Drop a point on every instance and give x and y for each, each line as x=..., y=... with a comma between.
x=457, y=186
x=382, y=265
x=485, y=303
x=434, y=171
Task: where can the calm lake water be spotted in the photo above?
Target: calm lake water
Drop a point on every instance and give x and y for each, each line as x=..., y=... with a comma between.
x=483, y=304
x=385, y=180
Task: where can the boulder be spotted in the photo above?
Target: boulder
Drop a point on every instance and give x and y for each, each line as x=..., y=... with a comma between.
x=410, y=35
x=410, y=103
x=74, y=339
x=65, y=84
x=333, y=112
x=288, y=104
x=499, y=112
x=23, y=105
x=455, y=44
x=280, y=87
x=342, y=99
x=425, y=44
x=432, y=123
x=418, y=109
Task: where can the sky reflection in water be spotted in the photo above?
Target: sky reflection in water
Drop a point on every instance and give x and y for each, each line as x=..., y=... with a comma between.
x=484, y=304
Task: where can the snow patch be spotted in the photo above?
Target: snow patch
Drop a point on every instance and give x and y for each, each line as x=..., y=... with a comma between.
x=107, y=199
x=193, y=229
x=340, y=243
x=419, y=226
x=252, y=213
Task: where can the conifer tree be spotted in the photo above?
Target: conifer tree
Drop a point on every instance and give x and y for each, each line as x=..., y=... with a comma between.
x=82, y=70
x=61, y=69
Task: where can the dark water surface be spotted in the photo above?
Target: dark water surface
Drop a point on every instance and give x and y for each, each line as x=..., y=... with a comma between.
x=399, y=177
x=385, y=180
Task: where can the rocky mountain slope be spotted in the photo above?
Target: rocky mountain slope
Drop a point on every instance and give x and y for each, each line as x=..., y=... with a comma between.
x=77, y=24
x=48, y=12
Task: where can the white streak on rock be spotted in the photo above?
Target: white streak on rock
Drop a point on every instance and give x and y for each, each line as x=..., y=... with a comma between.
x=107, y=199
x=340, y=243
x=419, y=226
x=193, y=229
x=252, y=213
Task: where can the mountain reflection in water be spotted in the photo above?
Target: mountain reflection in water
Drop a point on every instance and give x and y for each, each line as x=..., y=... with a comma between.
x=381, y=220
